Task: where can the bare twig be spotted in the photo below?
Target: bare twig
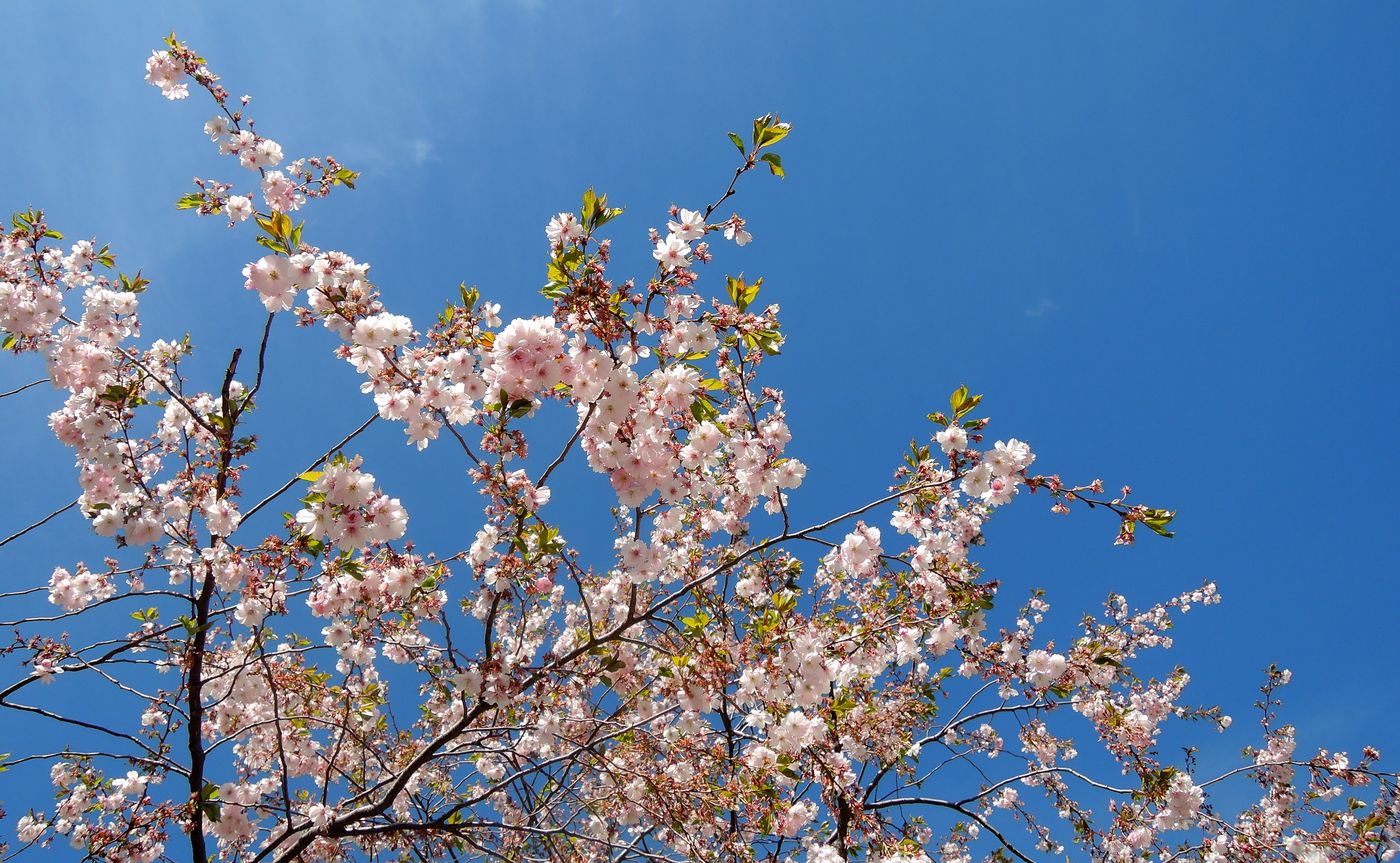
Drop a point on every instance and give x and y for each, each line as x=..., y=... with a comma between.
x=40, y=523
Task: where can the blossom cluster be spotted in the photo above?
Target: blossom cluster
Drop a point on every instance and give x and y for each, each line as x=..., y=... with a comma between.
x=344, y=506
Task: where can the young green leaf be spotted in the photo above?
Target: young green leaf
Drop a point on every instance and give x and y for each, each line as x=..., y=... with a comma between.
x=774, y=133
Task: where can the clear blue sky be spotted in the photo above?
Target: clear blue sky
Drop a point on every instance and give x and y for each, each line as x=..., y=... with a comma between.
x=1161, y=239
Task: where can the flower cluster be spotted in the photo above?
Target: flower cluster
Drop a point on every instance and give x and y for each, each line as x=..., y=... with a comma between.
x=344, y=506
x=73, y=591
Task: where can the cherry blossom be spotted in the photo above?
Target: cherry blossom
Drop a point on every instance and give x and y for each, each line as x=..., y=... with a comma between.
x=673, y=252
x=722, y=682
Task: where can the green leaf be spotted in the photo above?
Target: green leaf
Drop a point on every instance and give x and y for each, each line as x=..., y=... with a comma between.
x=764, y=340
x=695, y=625
x=1107, y=658
x=1158, y=519
x=612, y=663
x=571, y=258
x=596, y=212
x=311, y=475
x=740, y=292
x=191, y=628
x=116, y=394
x=208, y=796
x=749, y=294
x=738, y=142
x=968, y=403
x=955, y=401
x=133, y=284
x=279, y=228
x=192, y=201
x=775, y=163
x=346, y=176
x=703, y=409
x=774, y=133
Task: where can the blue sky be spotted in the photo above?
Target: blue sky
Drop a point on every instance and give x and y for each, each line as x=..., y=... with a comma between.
x=1161, y=239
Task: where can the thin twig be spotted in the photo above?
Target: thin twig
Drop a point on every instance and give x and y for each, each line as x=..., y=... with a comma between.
x=25, y=387
x=40, y=523
x=315, y=464
x=558, y=460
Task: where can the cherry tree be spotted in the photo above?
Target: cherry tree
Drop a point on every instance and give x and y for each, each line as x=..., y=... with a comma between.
x=726, y=684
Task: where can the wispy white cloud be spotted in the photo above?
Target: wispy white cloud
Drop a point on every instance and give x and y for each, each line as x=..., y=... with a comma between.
x=1041, y=309
x=388, y=154
x=422, y=151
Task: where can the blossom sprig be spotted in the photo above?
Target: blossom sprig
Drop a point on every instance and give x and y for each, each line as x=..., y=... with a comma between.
x=1130, y=515
x=284, y=188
